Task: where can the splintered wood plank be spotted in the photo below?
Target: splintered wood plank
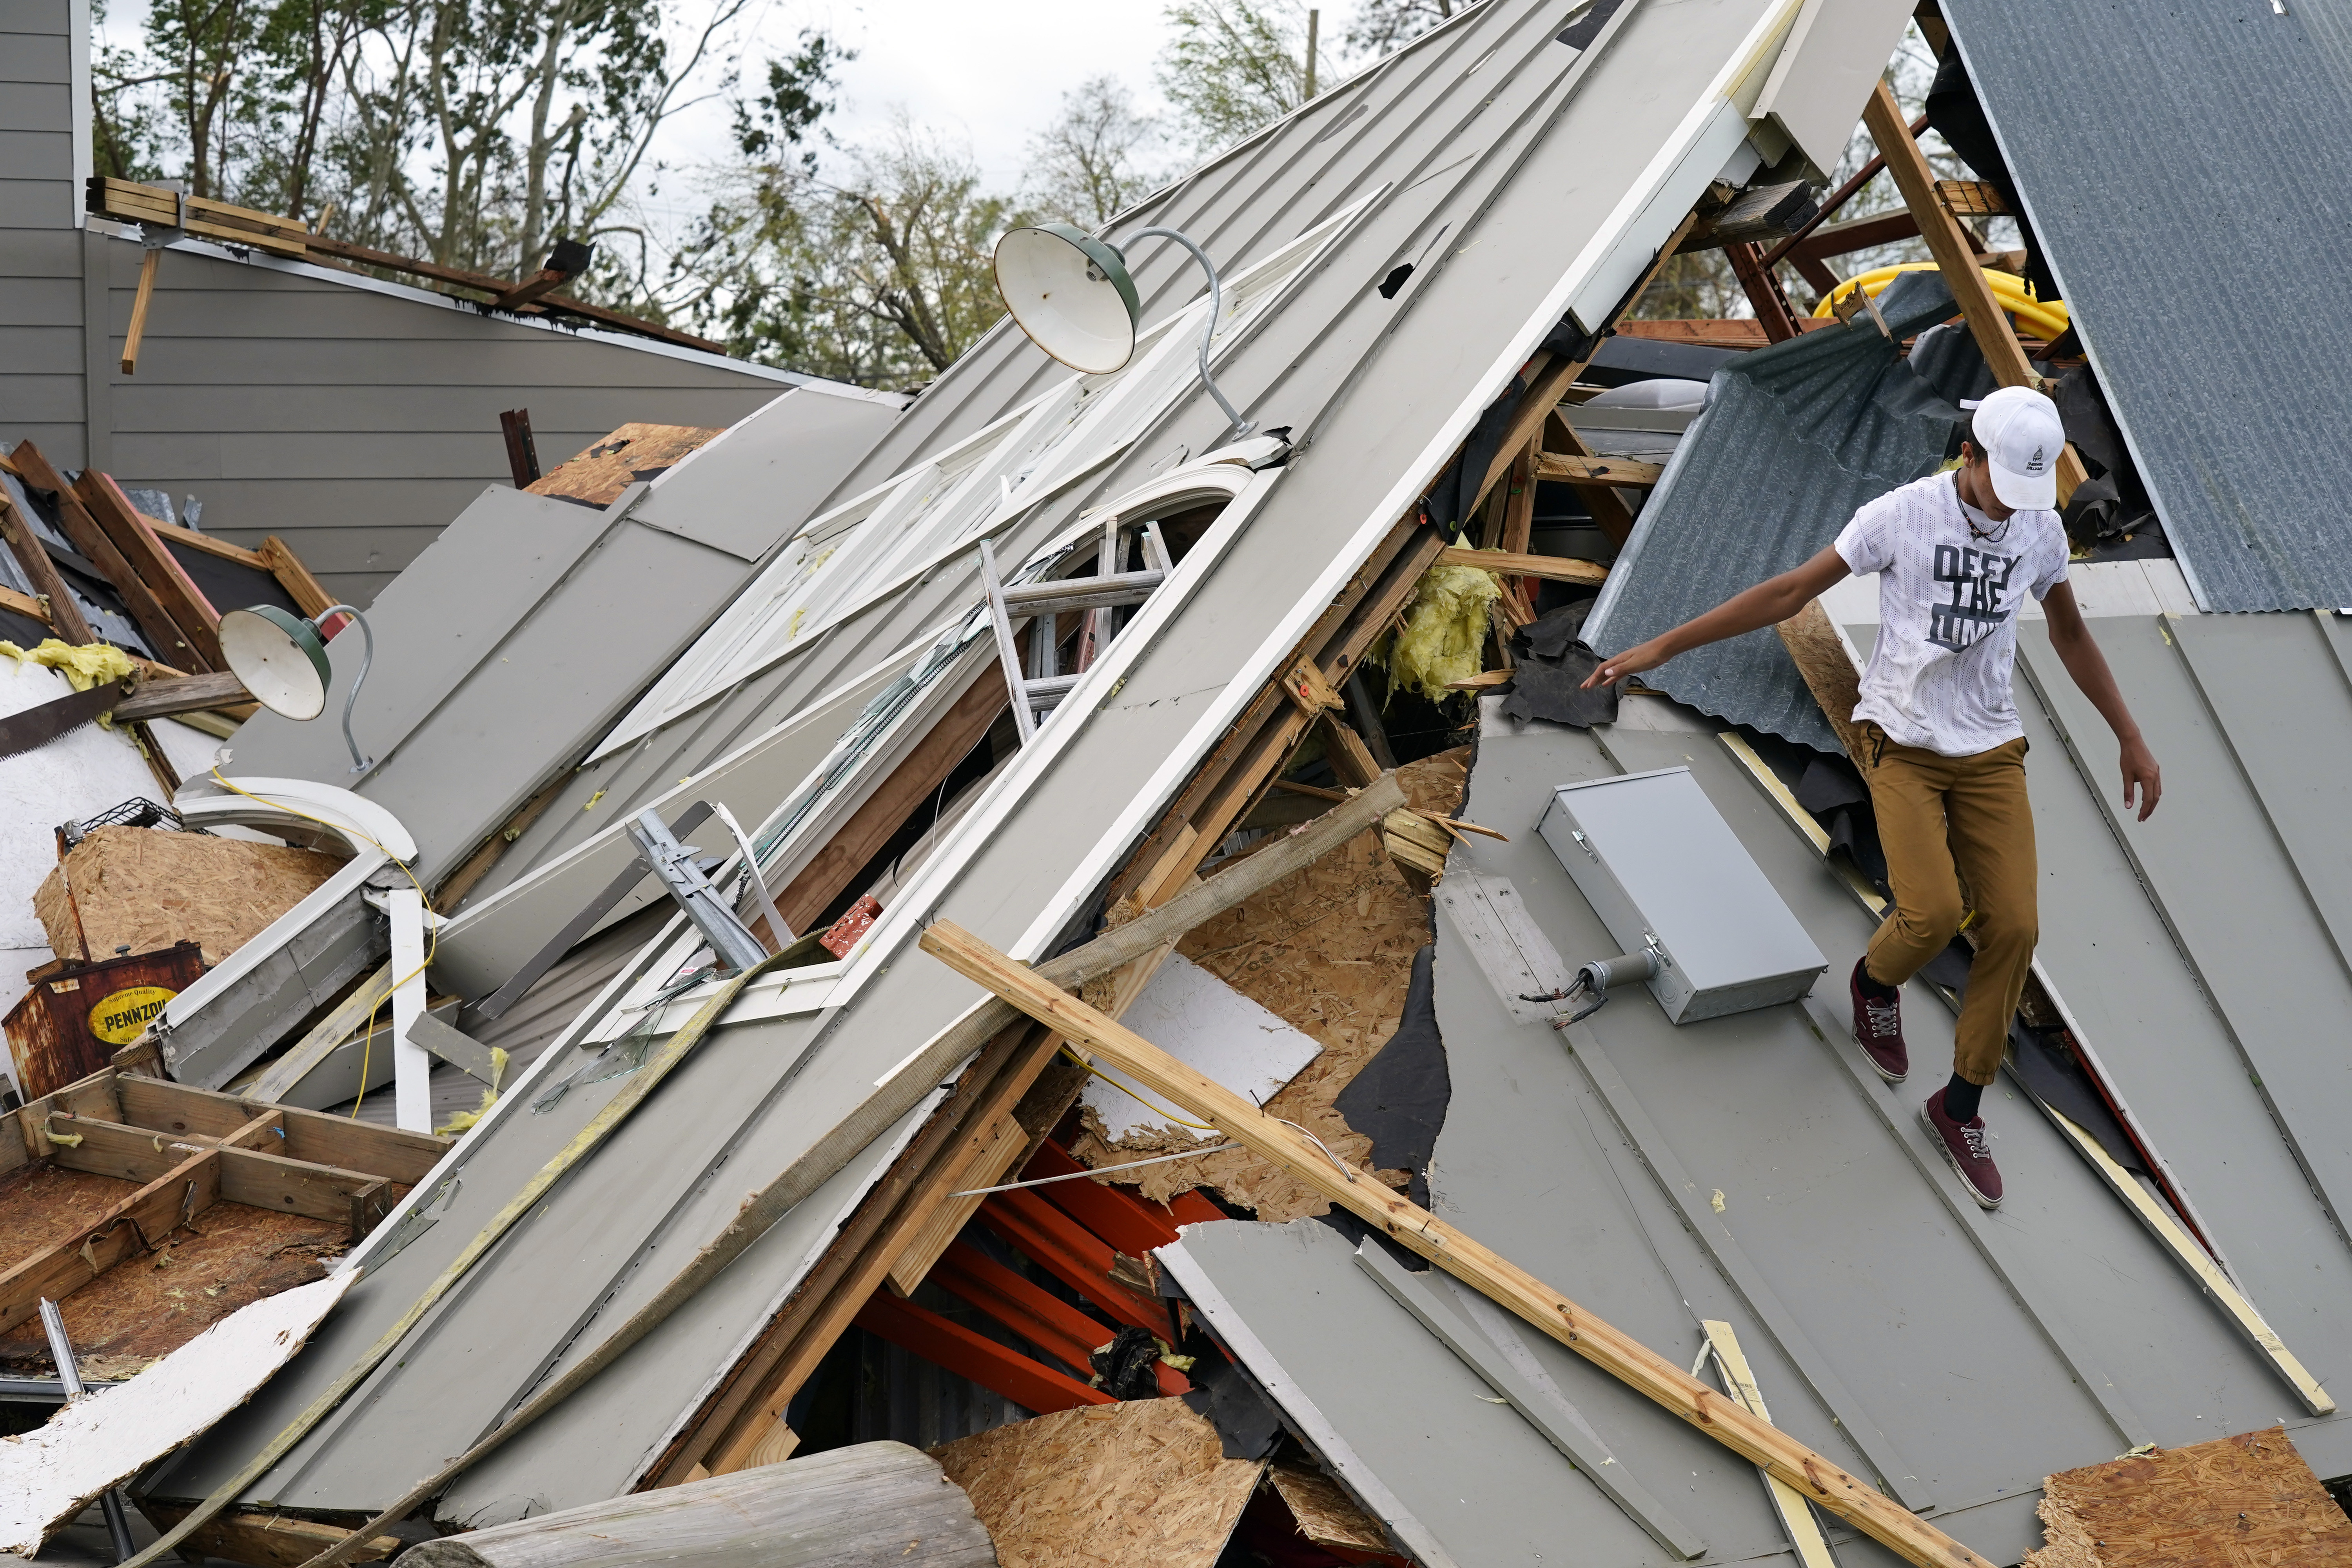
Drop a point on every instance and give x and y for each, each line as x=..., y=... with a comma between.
x=267, y=1540
x=82, y=531
x=199, y=621
x=1140, y=1484
x=2231, y=1503
x=1558, y=568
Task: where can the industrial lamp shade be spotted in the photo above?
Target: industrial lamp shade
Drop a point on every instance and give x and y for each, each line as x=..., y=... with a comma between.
x=1070, y=292
x=280, y=657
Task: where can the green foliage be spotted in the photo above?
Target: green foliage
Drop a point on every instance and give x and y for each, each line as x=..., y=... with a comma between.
x=1382, y=26
x=1233, y=65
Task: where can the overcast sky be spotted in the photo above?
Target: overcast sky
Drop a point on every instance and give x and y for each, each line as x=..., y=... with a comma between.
x=990, y=75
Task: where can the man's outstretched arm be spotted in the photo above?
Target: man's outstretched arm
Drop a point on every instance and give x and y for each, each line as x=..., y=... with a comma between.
x=1768, y=603
x=2088, y=666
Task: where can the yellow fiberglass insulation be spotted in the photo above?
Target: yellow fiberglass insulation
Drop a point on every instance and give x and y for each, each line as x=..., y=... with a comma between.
x=1444, y=630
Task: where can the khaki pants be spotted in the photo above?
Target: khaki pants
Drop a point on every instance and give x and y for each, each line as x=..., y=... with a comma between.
x=1942, y=820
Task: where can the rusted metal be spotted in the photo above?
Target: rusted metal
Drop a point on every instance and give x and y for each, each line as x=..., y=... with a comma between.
x=74, y=1019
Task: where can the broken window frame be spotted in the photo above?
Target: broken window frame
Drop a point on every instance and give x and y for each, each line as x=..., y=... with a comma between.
x=885, y=537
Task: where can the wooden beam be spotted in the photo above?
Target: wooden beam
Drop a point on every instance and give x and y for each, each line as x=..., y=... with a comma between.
x=144, y=298
x=1608, y=510
x=1837, y=199
x=266, y=1539
x=910, y=785
x=1861, y=234
x=294, y=577
x=1351, y=760
x=188, y=694
x=1613, y=473
x=1816, y=1476
x=1956, y=259
x=82, y=531
x=991, y=1157
x=173, y=533
x=134, y=1225
x=313, y=1136
x=547, y=280
x=64, y=615
x=998, y=1368
x=1553, y=381
x=1766, y=213
x=249, y=1175
x=1761, y=284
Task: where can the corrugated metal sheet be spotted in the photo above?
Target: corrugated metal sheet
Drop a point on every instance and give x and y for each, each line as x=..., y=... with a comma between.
x=2185, y=167
x=1795, y=437
x=1512, y=170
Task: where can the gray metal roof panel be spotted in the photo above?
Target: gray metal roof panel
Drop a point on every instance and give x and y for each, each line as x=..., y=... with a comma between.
x=1794, y=439
x=1385, y=387
x=2233, y=402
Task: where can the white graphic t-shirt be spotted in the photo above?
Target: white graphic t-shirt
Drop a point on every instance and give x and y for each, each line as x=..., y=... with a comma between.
x=1951, y=580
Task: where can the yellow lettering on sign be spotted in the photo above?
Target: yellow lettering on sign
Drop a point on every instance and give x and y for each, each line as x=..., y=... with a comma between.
x=121, y=1018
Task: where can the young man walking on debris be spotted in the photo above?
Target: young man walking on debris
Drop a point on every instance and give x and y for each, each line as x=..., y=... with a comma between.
x=1942, y=747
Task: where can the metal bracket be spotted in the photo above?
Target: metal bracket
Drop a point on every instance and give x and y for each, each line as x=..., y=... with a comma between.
x=674, y=865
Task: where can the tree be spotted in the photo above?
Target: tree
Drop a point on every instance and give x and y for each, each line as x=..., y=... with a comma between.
x=873, y=267
x=1085, y=166
x=1234, y=65
x=1381, y=27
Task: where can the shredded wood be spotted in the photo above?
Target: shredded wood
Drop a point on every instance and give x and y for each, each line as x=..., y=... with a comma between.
x=1329, y=951
x=2231, y=1503
x=1142, y=1484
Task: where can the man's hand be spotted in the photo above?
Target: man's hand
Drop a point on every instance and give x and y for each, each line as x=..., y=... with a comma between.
x=2141, y=776
x=1632, y=662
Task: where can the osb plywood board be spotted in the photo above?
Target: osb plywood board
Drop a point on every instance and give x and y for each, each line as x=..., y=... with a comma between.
x=2247, y=1501
x=600, y=474
x=155, y=1302
x=1326, y=1515
x=1141, y=1484
x=147, y=888
x=1329, y=951
x=41, y=1205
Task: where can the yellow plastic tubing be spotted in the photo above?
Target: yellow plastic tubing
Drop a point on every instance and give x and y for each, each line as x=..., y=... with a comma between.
x=2045, y=317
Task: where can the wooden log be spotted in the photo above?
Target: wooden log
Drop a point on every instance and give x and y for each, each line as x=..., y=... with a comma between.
x=1819, y=1478
x=874, y=1505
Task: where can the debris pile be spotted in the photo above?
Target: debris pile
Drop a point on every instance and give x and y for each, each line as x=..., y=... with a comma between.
x=1072, y=977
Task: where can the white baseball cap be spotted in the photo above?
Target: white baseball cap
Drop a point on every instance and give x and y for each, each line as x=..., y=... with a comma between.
x=2019, y=429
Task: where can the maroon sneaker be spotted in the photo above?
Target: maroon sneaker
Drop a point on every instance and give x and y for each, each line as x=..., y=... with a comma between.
x=1967, y=1148
x=1879, y=1027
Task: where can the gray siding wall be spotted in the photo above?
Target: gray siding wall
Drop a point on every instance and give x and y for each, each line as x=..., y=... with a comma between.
x=352, y=421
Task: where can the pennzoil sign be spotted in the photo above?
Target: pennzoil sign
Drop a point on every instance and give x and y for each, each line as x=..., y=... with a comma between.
x=119, y=1018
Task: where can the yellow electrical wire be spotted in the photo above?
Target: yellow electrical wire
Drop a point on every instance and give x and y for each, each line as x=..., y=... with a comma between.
x=432, y=932
x=1130, y=1094
x=2049, y=317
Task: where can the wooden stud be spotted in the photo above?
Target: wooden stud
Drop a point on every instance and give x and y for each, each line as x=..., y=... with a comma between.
x=182, y=1191
x=185, y=694
x=1350, y=758
x=145, y=297
x=1814, y=1475
x=56, y=604
x=1559, y=569
x=82, y=531
x=1795, y=1514
x=1956, y=259
x=266, y=1539
x=992, y=1156
x=1615, y=473
x=1610, y=513
x=1762, y=286
x=294, y=577
x=173, y=533
x=1519, y=517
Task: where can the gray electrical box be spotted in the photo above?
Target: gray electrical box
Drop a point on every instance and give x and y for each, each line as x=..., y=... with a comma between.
x=1663, y=871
